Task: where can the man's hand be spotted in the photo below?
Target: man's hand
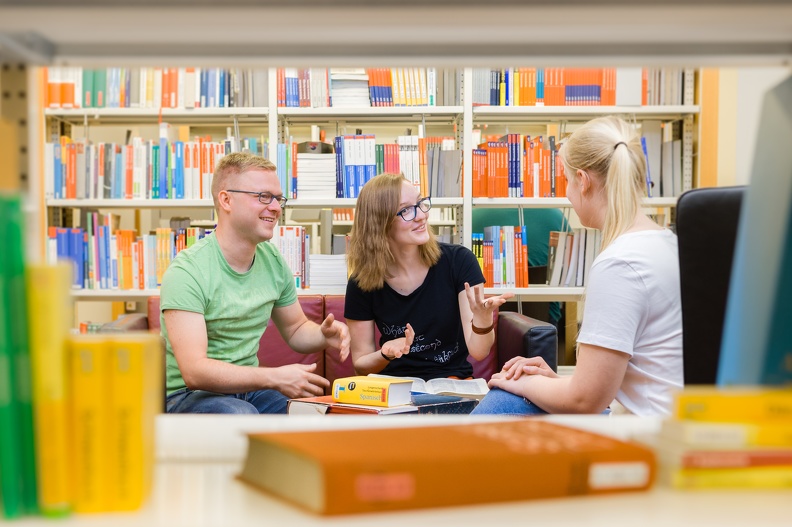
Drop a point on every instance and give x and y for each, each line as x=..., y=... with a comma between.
x=397, y=347
x=337, y=335
x=297, y=380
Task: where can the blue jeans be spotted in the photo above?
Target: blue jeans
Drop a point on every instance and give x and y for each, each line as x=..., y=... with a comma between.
x=498, y=401
x=187, y=401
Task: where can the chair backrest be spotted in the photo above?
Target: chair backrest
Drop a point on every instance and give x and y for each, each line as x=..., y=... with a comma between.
x=706, y=227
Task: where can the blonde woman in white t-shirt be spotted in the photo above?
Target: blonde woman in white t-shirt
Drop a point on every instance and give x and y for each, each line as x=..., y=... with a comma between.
x=629, y=354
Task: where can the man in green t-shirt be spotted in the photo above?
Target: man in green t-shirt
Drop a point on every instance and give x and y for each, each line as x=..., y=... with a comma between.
x=218, y=295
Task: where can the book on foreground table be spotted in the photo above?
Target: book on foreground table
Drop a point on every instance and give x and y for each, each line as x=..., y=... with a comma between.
x=371, y=391
x=422, y=403
x=349, y=471
x=474, y=388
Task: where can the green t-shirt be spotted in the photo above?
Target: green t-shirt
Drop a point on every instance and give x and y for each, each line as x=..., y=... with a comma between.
x=539, y=223
x=236, y=306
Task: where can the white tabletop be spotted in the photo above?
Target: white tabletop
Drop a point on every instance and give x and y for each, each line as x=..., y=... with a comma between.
x=199, y=457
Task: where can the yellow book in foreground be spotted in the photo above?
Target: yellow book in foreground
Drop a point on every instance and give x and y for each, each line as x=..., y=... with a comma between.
x=728, y=435
x=772, y=477
x=372, y=391
x=738, y=404
x=90, y=380
x=50, y=317
x=136, y=396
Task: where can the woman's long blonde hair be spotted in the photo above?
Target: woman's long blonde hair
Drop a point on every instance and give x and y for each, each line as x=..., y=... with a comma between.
x=368, y=254
x=597, y=149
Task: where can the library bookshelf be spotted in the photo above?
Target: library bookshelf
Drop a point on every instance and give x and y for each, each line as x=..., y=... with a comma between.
x=275, y=124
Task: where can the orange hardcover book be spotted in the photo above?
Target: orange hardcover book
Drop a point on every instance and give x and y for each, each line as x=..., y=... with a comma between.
x=344, y=471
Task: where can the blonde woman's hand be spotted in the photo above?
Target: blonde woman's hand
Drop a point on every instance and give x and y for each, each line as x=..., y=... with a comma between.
x=516, y=367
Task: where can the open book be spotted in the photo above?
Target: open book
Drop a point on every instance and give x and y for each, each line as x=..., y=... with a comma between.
x=472, y=388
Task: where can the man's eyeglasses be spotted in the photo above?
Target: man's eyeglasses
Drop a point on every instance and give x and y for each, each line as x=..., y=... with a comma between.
x=264, y=197
x=409, y=213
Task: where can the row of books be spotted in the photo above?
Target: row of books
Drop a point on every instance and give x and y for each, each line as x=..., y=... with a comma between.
x=570, y=255
x=578, y=86
x=103, y=258
x=518, y=166
x=364, y=87
x=117, y=87
x=738, y=437
x=502, y=253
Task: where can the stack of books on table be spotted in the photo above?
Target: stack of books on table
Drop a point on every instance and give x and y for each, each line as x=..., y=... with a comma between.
x=728, y=438
x=383, y=395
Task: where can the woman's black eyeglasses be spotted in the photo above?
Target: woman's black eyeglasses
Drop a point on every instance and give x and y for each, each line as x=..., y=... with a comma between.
x=264, y=197
x=409, y=213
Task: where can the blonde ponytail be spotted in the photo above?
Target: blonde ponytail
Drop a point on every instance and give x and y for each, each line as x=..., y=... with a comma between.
x=610, y=149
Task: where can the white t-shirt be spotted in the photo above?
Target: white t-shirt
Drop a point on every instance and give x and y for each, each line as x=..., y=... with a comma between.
x=633, y=305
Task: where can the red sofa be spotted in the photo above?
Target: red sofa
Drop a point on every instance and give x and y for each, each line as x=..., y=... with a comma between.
x=515, y=335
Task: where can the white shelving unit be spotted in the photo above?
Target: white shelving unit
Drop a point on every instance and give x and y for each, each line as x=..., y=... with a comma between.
x=459, y=119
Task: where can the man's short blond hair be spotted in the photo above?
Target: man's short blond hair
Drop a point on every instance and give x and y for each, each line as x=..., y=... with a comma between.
x=235, y=164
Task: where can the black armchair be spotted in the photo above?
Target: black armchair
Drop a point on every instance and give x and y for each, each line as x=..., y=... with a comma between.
x=706, y=226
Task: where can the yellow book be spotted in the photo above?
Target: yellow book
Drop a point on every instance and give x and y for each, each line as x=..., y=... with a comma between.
x=771, y=477
x=50, y=317
x=734, y=404
x=728, y=435
x=90, y=381
x=372, y=391
x=135, y=397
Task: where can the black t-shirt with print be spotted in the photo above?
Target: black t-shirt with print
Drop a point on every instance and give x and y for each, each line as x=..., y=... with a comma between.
x=439, y=348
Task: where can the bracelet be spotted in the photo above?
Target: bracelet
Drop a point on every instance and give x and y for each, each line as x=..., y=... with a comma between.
x=386, y=357
x=482, y=331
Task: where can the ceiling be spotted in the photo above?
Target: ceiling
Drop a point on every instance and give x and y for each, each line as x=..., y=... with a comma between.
x=402, y=32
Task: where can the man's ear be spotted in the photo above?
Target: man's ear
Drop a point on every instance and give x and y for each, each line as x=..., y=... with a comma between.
x=223, y=200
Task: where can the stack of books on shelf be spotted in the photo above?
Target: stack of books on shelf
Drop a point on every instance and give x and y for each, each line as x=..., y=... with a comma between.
x=116, y=87
x=728, y=438
x=349, y=88
x=570, y=255
x=316, y=176
x=386, y=395
x=328, y=270
x=350, y=471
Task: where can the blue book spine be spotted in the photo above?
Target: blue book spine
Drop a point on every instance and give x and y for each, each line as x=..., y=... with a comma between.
x=163, y=168
x=101, y=231
x=648, y=174
x=58, y=172
x=339, y=159
x=178, y=166
x=76, y=254
x=118, y=177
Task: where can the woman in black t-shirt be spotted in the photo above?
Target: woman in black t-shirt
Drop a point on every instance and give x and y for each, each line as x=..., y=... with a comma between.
x=426, y=298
